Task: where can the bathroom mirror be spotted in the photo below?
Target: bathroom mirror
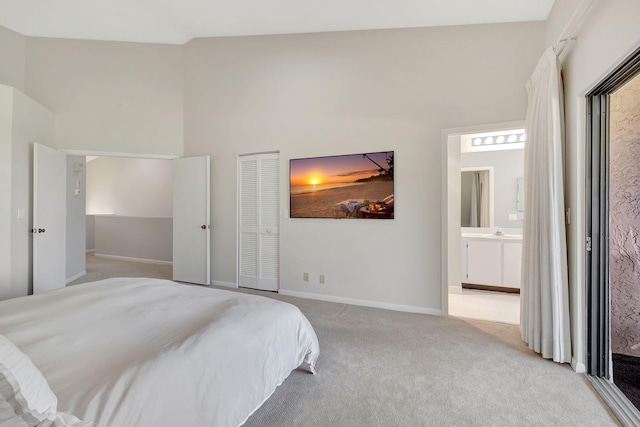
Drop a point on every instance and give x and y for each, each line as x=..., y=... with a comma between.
x=520, y=195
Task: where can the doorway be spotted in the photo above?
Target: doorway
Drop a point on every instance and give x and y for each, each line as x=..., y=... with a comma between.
x=613, y=226
x=498, y=148
x=187, y=221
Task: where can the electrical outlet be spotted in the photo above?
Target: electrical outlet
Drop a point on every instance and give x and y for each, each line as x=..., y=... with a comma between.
x=305, y=277
x=322, y=279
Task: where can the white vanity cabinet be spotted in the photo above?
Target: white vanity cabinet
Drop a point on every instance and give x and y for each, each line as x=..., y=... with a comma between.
x=484, y=262
x=491, y=261
x=511, y=264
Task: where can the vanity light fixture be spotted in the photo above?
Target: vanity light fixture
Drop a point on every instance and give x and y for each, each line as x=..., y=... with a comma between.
x=494, y=140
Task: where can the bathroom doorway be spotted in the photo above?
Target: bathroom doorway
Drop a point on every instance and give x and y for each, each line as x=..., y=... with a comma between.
x=492, y=157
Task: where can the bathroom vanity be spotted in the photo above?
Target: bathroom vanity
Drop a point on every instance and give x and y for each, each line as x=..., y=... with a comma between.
x=491, y=261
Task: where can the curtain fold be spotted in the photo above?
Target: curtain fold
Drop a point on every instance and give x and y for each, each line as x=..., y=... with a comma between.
x=475, y=195
x=484, y=208
x=544, y=302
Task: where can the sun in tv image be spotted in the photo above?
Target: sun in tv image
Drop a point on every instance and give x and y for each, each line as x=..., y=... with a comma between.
x=349, y=186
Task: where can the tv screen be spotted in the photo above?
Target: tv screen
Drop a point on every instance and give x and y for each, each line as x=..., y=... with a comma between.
x=347, y=186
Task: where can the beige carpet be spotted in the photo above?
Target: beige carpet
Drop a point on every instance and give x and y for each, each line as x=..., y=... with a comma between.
x=386, y=368
x=99, y=268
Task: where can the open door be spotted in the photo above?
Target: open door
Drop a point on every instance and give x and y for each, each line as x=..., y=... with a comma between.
x=49, y=218
x=191, y=229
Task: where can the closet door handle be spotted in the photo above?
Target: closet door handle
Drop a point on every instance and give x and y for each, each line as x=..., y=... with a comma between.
x=204, y=227
x=41, y=230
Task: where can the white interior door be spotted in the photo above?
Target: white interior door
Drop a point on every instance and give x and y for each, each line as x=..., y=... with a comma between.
x=191, y=226
x=49, y=218
x=259, y=221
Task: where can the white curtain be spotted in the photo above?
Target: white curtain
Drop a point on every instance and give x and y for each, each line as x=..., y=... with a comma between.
x=476, y=193
x=483, y=179
x=544, y=302
x=480, y=209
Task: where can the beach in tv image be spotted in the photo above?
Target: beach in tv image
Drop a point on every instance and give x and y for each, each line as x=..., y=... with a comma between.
x=346, y=186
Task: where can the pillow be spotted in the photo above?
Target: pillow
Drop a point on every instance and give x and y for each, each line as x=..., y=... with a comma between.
x=23, y=389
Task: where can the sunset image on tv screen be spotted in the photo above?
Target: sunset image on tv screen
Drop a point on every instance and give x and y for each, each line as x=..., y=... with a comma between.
x=349, y=186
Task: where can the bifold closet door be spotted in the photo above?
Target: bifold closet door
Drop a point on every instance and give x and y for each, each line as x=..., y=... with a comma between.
x=259, y=221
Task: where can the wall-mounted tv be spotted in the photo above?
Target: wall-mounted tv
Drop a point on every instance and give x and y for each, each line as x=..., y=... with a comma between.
x=347, y=186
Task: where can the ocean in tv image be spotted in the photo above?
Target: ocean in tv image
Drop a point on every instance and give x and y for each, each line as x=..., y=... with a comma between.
x=349, y=186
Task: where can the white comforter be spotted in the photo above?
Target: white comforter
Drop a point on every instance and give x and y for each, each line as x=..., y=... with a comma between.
x=152, y=353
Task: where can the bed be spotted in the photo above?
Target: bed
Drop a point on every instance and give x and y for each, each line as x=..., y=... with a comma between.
x=147, y=352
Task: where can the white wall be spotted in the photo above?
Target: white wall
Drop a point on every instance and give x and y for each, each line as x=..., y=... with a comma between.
x=130, y=187
x=13, y=54
x=138, y=194
x=31, y=123
x=508, y=166
x=6, y=126
x=22, y=121
x=337, y=93
x=148, y=239
x=76, y=218
x=607, y=36
x=109, y=96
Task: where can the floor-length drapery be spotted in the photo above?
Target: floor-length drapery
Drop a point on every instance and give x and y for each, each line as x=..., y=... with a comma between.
x=544, y=303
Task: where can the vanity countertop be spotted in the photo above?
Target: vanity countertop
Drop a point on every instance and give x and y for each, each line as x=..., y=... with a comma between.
x=492, y=236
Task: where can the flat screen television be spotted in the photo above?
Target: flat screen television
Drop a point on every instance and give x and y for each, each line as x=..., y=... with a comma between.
x=346, y=186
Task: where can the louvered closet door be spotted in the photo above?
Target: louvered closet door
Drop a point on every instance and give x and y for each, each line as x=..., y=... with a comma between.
x=259, y=219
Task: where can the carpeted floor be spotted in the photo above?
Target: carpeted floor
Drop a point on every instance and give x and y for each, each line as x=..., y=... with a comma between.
x=386, y=368
x=99, y=268
x=626, y=375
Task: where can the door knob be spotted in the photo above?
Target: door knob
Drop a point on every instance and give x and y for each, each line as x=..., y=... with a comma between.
x=41, y=230
x=204, y=227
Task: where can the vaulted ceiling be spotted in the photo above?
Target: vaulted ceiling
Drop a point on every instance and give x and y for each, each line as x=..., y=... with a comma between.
x=178, y=21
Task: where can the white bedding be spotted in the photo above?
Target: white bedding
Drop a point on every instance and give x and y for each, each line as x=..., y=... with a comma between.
x=146, y=352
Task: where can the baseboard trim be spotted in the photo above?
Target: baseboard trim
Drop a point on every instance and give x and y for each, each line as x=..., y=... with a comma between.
x=578, y=367
x=77, y=276
x=622, y=407
x=126, y=258
x=90, y=251
x=365, y=303
x=225, y=284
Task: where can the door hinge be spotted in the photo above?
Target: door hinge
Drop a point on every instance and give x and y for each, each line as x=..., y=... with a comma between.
x=588, y=244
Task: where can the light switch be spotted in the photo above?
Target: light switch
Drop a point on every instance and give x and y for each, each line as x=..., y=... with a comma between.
x=77, y=191
x=77, y=184
x=513, y=217
x=21, y=213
